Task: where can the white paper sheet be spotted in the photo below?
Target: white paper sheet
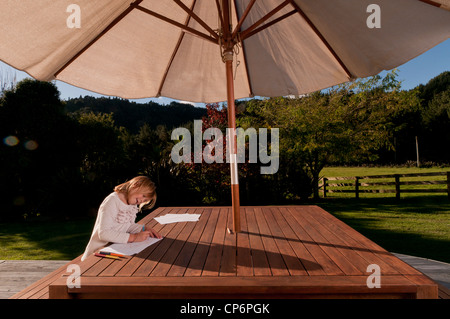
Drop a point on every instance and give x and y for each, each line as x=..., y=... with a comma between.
x=177, y=218
x=130, y=248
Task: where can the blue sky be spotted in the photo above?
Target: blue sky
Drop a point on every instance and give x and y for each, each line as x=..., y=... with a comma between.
x=417, y=71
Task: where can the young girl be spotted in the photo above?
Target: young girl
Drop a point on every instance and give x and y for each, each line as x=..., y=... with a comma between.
x=116, y=215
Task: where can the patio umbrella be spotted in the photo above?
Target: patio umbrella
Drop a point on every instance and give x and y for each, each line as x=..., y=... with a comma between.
x=216, y=50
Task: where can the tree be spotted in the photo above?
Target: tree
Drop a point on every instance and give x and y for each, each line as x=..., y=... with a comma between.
x=435, y=86
x=212, y=180
x=103, y=163
x=37, y=159
x=345, y=124
x=436, y=128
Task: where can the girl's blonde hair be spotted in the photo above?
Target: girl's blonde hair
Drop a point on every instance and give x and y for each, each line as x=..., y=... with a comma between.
x=141, y=184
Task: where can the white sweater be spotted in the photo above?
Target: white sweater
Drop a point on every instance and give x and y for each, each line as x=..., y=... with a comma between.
x=115, y=222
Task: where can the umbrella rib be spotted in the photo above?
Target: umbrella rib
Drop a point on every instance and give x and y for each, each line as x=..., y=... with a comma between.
x=191, y=13
x=175, y=51
x=436, y=4
x=242, y=19
x=177, y=24
x=245, y=33
x=243, y=47
x=101, y=34
x=219, y=10
x=322, y=38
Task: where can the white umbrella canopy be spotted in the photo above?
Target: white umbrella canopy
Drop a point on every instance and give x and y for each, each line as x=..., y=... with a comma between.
x=125, y=51
x=177, y=48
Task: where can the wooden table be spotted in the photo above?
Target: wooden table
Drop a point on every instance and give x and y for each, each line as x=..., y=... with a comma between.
x=282, y=252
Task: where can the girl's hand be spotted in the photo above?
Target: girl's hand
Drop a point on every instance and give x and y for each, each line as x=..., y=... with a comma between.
x=153, y=233
x=143, y=235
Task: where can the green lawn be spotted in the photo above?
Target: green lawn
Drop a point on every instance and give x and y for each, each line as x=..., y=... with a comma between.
x=44, y=240
x=360, y=171
x=369, y=171
x=418, y=226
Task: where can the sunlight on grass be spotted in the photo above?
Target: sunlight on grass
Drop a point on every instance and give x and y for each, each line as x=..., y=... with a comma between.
x=417, y=226
x=438, y=182
x=63, y=240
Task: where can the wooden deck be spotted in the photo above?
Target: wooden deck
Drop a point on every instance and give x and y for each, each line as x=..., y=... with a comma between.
x=282, y=252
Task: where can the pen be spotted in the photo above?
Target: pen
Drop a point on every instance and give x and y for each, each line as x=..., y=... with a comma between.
x=106, y=256
x=143, y=228
x=108, y=253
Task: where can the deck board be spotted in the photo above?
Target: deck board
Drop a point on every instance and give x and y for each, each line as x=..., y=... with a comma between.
x=281, y=252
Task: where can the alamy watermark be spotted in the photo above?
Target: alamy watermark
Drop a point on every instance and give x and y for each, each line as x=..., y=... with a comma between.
x=74, y=279
x=74, y=19
x=213, y=152
x=374, y=279
x=374, y=19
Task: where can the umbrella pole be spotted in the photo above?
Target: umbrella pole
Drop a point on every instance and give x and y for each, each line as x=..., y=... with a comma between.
x=228, y=59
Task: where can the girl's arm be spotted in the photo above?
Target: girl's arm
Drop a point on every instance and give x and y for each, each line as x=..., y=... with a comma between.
x=108, y=225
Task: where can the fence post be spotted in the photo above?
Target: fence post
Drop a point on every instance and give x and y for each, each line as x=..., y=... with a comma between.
x=325, y=187
x=397, y=186
x=448, y=185
x=356, y=187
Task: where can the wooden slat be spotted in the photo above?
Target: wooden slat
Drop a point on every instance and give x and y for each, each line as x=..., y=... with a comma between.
x=197, y=262
x=259, y=258
x=151, y=261
x=170, y=255
x=276, y=262
x=334, y=254
x=291, y=260
x=341, y=246
x=212, y=263
x=444, y=292
x=323, y=260
x=393, y=261
x=244, y=254
x=426, y=288
x=336, y=228
x=308, y=261
x=390, y=183
x=388, y=176
x=242, y=287
x=425, y=190
x=181, y=262
x=228, y=261
x=362, y=191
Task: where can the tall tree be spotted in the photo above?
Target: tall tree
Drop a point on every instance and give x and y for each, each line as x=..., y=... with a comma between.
x=345, y=124
x=37, y=155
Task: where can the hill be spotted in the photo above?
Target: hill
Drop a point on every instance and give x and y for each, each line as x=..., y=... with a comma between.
x=132, y=115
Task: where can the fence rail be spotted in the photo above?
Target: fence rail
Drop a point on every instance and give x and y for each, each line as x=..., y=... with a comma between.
x=357, y=184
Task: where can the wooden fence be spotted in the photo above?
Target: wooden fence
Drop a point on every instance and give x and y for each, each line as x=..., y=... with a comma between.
x=359, y=184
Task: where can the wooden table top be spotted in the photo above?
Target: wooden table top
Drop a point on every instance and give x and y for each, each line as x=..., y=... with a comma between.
x=281, y=252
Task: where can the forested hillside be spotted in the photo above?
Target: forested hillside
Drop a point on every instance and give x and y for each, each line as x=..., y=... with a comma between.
x=132, y=115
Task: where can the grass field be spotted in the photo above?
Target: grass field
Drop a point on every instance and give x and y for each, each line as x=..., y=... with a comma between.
x=361, y=171
x=417, y=225
x=44, y=240
x=369, y=171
